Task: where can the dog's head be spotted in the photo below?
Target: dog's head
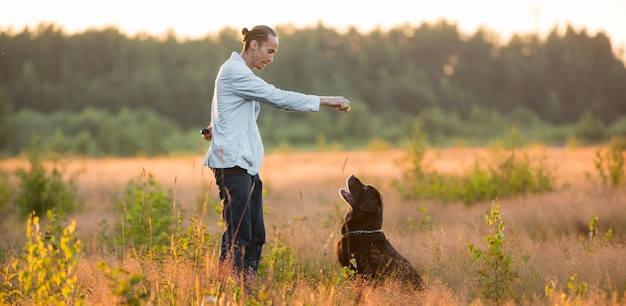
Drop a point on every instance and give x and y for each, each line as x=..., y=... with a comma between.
x=366, y=205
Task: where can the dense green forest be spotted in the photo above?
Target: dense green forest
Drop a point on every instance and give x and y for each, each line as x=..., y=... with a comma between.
x=101, y=92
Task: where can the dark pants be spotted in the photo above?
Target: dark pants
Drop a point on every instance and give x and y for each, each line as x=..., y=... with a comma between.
x=242, y=204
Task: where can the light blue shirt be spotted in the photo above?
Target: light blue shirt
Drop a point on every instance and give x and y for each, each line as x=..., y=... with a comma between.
x=234, y=111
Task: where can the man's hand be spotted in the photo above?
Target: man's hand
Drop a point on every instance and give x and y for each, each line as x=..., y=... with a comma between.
x=207, y=133
x=337, y=102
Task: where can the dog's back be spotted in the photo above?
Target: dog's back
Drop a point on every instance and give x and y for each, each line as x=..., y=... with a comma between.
x=375, y=258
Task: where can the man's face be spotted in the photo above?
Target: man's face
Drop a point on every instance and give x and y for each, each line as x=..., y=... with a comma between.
x=263, y=54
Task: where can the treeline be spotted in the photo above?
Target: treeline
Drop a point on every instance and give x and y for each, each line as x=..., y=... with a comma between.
x=391, y=77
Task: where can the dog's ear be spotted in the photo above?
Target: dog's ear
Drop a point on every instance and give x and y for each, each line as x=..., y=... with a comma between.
x=373, y=204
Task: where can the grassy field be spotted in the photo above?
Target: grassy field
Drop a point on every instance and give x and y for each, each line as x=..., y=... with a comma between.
x=547, y=235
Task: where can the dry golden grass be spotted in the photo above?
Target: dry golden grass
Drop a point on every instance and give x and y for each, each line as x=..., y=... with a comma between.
x=306, y=212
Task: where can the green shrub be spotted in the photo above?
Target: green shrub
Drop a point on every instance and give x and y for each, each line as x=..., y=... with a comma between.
x=41, y=191
x=478, y=184
x=5, y=192
x=148, y=220
x=590, y=129
x=418, y=172
x=279, y=264
x=610, y=165
x=129, y=288
x=495, y=273
x=618, y=127
x=47, y=269
x=192, y=243
x=507, y=173
x=516, y=174
x=6, y=122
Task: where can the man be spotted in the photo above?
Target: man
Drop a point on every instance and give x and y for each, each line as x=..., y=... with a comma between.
x=236, y=150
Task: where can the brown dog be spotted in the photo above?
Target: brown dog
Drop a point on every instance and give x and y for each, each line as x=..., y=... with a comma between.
x=363, y=247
